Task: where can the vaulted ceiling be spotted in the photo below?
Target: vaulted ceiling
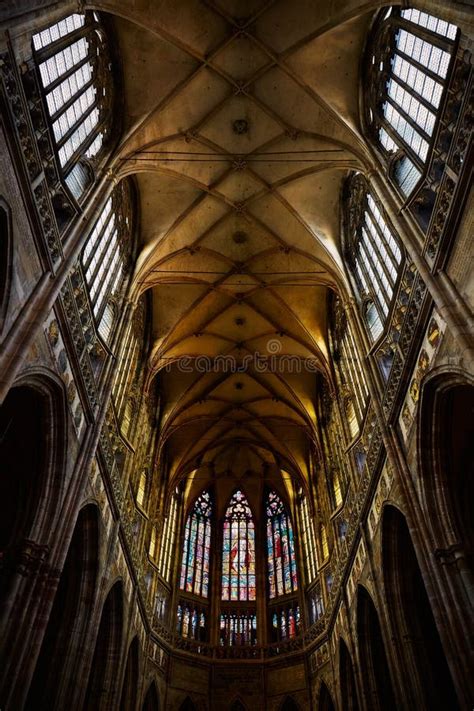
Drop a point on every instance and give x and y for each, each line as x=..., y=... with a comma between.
x=242, y=119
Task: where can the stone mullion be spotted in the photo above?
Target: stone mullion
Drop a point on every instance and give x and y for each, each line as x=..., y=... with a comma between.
x=30, y=320
x=448, y=301
x=419, y=533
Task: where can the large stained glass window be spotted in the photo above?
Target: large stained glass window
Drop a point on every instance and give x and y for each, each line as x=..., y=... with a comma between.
x=281, y=548
x=167, y=539
x=238, y=555
x=196, y=550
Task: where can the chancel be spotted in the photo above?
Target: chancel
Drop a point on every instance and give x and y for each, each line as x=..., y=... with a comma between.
x=236, y=363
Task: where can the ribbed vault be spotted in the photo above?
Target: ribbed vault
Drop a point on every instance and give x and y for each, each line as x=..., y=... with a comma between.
x=241, y=122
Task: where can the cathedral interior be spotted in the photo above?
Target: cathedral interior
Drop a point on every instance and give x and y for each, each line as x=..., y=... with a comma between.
x=236, y=365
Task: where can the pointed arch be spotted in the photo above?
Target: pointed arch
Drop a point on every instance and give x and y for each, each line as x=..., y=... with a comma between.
x=375, y=671
x=238, y=552
x=325, y=699
x=128, y=700
x=289, y=704
x=61, y=649
x=187, y=705
x=195, y=561
x=281, y=558
x=347, y=680
x=418, y=640
x=107, y=651
x=151, y=701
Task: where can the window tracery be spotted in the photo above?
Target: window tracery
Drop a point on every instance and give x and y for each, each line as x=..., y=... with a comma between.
x=373, y=254
x=195, y=561
x=73, y=64
x=168, y=537
x=286, y=622
x=408, y=70
x=105, y=257
x=282, y=575
x=238, y=555
x=238, y=628
x=309, y=541
x=191, y=620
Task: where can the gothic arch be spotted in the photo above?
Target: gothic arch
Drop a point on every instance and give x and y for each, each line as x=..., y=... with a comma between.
x=289, y=704
x=375, y=670
x=152, y=699
x=347, y=680
x=187, y=705
x=6, y=258
x=55, y=678
x=237, y=705
x=445, y=446
x=428, y=681
x=107, y=651
x=325, y=699
x=34, y=412
x=128, y=700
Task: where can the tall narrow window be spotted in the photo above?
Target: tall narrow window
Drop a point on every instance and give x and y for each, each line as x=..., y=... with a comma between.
x=238, y=555
x=324, y=541
x=411, y=78
x=282, y=576
x=238, y=628
x=141, y=490
x=106, y=254
x=196, y=548
x=336, y=489
x=73, y=64
x=309, y=541
x=167, y=540
x=374, y=254
x=152, y=546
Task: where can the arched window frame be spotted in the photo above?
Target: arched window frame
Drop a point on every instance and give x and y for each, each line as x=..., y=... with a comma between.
x=407, y=81
x=196, y=558
x=324, y=542
x=107, y=257
x=168, y=537
x=309, y=540
x=238, y=539
x=73, y=64
x=6, y=254
x=373, y=252
x=281, y=553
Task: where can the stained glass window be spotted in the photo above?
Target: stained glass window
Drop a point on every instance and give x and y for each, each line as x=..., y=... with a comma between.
x=191, y=621
x=238, y=628
x=196, y=551
x=285, y=622
x=317, y=604
x=238, y=555
x=281, y=548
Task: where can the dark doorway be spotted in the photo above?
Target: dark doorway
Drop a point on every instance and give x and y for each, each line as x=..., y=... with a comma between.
x=325, y=700
x=128, y=700
x=152, y=701
x=410, y=611
x=102, y=676
x=348, y=683
x=54, y=672
x=373, y=659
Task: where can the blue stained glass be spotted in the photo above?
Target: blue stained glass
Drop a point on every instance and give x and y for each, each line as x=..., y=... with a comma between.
x=196, y=549
x=281, y=558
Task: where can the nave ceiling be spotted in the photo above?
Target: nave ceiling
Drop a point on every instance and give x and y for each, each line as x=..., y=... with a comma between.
x=242, y=120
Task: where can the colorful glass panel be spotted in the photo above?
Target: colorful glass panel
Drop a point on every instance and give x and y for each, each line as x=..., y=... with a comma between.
x=196, y=550
x=281, y=548
x=238, y=555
